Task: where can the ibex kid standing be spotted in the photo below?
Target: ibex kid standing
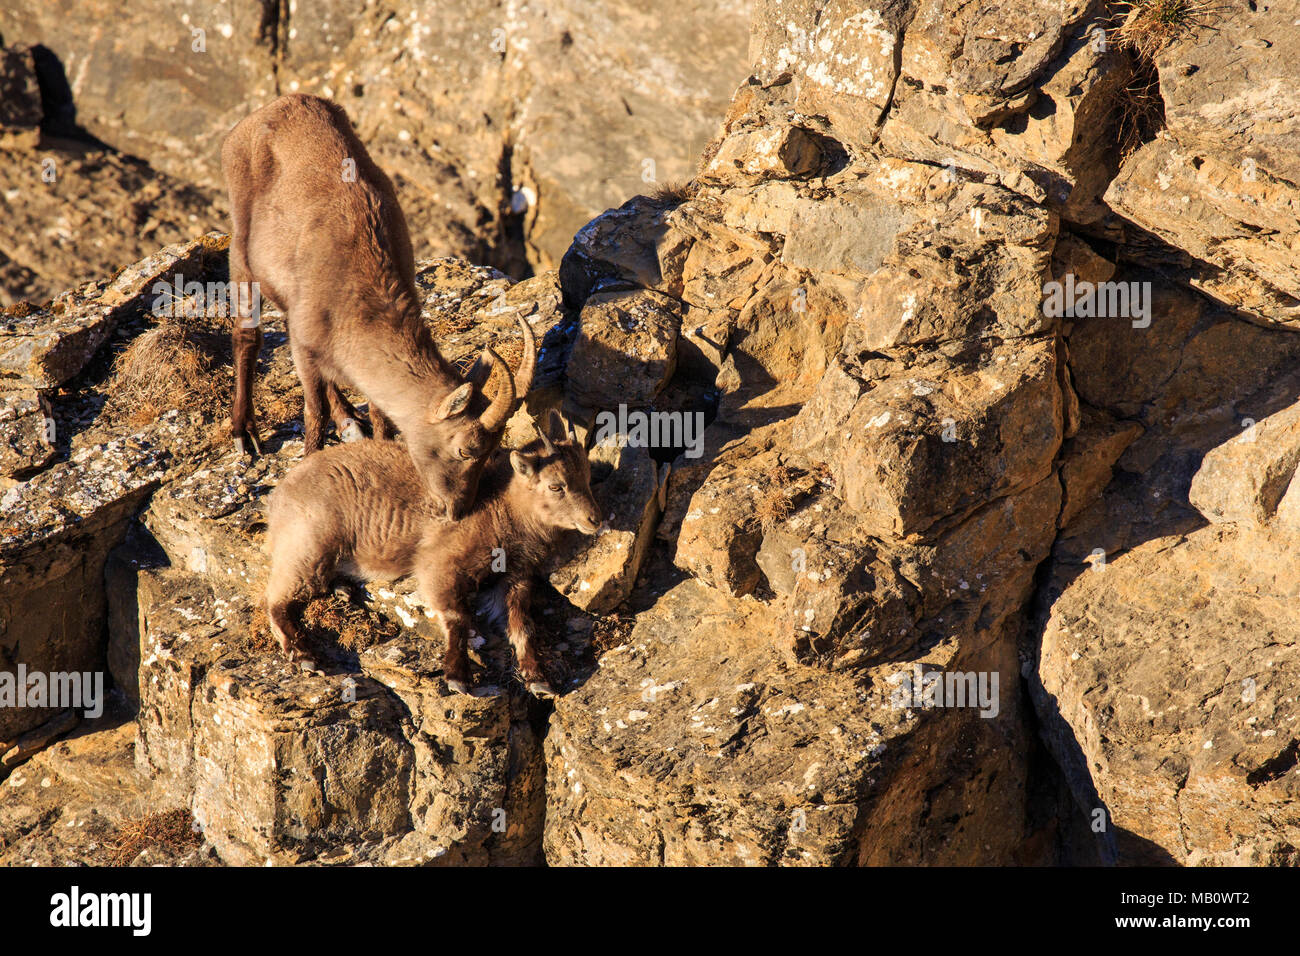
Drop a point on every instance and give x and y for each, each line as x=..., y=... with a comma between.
x=317, y=225
x=359, y=510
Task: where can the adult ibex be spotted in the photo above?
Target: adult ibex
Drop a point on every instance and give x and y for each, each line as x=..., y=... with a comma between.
x=316, y=224
x=359, y=510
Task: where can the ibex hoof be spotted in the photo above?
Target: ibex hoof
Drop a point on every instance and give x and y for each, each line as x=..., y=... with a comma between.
x=457, y=686
x=300, y=659
x=541, y=689
x=245, y=440
x=351, y=592
x=351, y=431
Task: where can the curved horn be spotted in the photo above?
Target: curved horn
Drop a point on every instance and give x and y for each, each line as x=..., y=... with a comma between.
x=503, y=403
x=528, y=363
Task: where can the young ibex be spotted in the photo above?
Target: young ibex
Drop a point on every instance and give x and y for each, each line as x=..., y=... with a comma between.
x=359, y=510
x=317, y=225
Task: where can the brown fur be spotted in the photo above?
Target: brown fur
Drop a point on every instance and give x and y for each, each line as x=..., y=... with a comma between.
x=360, y=509
x=336, y=256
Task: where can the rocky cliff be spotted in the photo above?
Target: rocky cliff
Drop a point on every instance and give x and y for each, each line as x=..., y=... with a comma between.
x=506, y=125
x=984, y=556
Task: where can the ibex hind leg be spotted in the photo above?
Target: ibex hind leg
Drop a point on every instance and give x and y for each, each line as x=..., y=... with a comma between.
x=314, y=400
x=381, y=425
x=347, y=422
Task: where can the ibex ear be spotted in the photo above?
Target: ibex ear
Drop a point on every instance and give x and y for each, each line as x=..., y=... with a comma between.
x=478, y=372
x=524, y=465
x=453, y=404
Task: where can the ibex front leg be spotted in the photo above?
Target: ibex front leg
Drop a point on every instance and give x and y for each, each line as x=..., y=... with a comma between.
x=520, y=631
x=442, y=595
x=314, y=399
x=246, y=344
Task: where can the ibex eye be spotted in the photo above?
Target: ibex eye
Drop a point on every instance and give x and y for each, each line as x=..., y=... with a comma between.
x=557, y=488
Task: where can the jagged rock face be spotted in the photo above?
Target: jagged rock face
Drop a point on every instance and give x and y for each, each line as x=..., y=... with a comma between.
x=864, y=262
x=880, y=490
x=1165, y=671
x=919, y=488
x=1220, y=182
x=74, y=210
x=83, y=474
x=506, y=126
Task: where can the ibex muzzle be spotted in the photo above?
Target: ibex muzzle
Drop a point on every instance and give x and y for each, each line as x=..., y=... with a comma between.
x=316, y=224
x=361, y=510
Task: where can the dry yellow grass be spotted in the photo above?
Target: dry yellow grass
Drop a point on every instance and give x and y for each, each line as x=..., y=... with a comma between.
x=328, y=620
x=1148, y=26
x=1141, y=111
x=672, y=192
x=171, y=828
x=778, y=500
x=19, y=309
x=788, y=486
x=163, y=368
x=609, y=631
x=351, y=627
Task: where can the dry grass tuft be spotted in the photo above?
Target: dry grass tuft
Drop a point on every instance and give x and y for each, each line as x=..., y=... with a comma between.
x=1145, y=29
x=330, y=621
x=169, y=366
x=1141, y=111
x=788, y=486
x=19, y=309
x=277, y=410
x=1149, y=26
x=259, y=630
x=336, y=619
x=173, y=829
x=672, y=192
x=778, y=500
x=610, y=631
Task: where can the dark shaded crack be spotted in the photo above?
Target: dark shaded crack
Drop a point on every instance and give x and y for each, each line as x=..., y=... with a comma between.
x=1276, y=768
x=273, y=32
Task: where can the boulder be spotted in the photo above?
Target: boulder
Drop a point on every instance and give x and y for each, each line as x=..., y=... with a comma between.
x=599, y=575
x=625, y=351
x=936, y=440
x=376, y=760
x=695, y=743
x=1244, y=480
x=28, y=432
x=1165, y=684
